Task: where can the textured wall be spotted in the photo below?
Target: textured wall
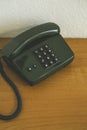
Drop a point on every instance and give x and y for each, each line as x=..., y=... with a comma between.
x=19, y=15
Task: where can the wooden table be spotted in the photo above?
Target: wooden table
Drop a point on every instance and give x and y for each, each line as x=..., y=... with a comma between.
x=58, y=103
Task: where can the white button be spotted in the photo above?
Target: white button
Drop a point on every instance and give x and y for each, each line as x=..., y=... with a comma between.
x=48, y=57
x=51, y=62
x=56, y=59
x=34, y=65
x=41, y=49
x=42, y=60
x=39, y=56
x=29, y=68
x=46, y=46
x=49, y=50
x=44, y=53
x=36, y=52
x=46, y=65
x=53, y=54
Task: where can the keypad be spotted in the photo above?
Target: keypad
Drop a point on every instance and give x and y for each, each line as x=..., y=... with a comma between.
x=46, y=56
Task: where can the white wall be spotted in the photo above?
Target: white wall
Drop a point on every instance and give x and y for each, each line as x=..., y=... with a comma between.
x=19, y=15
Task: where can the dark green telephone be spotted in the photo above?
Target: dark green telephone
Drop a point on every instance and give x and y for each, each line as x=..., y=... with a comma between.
x=38, y=52
x=35, y=54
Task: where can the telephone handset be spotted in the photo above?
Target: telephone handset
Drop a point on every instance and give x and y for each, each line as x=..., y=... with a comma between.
x=37, y=53
x=16, y=45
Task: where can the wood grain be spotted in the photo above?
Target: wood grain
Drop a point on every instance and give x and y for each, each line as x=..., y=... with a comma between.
x=58, y=103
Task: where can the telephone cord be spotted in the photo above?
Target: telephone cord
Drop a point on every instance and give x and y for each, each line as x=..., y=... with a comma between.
x=14, y=87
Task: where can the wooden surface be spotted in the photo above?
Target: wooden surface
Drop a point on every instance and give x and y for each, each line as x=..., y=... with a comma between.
x=58, y=103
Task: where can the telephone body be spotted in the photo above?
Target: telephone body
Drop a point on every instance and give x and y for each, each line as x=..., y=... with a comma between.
x=37, y=53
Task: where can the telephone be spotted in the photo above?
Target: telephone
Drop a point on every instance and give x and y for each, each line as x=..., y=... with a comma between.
x=37, y=53
x=34, y=54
